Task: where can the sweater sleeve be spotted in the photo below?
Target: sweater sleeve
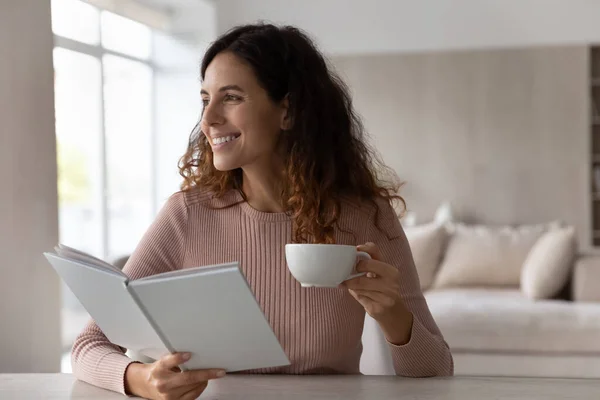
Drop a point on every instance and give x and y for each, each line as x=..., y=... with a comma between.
x=94, y=358
x=426, y=353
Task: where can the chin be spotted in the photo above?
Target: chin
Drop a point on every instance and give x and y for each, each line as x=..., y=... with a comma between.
x=225, y=165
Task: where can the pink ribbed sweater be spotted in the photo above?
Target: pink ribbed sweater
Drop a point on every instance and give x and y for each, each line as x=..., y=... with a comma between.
x=320, y=329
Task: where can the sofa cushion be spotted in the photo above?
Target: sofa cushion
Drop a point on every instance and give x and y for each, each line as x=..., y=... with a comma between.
x=586, y=279
x=549, y=263
x=426, y=243
x=479, y=255
x=504, y=320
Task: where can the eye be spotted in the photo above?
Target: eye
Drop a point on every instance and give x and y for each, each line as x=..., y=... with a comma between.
x=204, y=102
x=231, y=97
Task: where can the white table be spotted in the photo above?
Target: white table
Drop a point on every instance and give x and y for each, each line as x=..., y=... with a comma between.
x=65, y=386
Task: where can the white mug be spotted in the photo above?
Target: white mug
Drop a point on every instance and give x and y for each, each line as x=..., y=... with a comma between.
x=323, y=265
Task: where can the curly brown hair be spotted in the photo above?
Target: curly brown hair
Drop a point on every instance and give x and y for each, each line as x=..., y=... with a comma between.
x=327, y=158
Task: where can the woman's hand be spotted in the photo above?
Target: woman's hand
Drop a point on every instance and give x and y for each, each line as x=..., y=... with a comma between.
x=163, y=380
x=379, y=293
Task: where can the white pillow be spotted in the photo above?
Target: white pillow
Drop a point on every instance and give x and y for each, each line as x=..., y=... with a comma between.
x=444, y=214
x=479, y=255
x=409, y=219
x=426, y=243
x=549, y=263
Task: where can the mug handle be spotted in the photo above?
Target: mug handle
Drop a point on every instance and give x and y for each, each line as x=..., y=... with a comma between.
x=360, y=255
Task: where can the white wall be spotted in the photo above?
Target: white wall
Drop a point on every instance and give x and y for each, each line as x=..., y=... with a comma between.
x=29, y=288
x=501, y=134
x=194, y=20
x=375, y=26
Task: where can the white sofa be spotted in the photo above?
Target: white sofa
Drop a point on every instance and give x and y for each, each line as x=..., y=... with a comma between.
x=505, y=327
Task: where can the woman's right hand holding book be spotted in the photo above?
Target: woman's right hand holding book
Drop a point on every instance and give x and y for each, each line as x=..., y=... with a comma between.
x=163, y=380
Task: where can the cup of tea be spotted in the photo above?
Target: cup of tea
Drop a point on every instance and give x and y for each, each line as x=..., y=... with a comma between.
x=323, y=265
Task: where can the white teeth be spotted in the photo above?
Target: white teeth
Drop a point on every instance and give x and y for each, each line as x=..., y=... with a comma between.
x=223, y=139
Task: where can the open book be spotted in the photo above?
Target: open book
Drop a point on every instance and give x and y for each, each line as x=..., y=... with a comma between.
x=209, y=311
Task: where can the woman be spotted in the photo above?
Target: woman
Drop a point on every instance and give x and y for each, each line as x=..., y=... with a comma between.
x=279, y=156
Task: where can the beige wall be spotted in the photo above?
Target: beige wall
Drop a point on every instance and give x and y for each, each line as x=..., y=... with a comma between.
x=501, y=134
x=29, y=289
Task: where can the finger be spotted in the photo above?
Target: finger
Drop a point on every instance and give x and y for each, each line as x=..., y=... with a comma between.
x=371, y=306
x=363, y=283
x=354, y=294
x=376, y=297
x=171, y=361
x=194, y=392
x=372, y=285
x=380, y=269
x=362, y=299
x=372, y=249
x=195, y=377
x=361, y=295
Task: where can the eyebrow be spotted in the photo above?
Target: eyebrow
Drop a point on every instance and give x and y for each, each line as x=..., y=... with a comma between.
x=224, y=88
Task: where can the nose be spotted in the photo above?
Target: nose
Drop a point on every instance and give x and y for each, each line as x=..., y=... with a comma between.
x=212, y=115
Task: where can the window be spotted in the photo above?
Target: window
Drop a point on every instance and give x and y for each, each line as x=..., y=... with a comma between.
x=78, y=121
x=128, y=116
x=76, y=20
x=118, y=142
x=126, y=36
x=78, y=132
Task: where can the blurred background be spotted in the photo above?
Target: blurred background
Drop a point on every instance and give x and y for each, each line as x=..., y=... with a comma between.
x=488, y=110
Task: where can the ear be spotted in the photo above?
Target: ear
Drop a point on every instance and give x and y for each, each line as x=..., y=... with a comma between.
x=286, y=118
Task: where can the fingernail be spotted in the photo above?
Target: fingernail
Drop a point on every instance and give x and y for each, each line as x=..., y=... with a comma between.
x=220, y=374
x=370, y=275
x=187, y=356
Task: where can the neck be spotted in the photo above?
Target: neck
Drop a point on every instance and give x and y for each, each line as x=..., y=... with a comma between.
x=261, y=188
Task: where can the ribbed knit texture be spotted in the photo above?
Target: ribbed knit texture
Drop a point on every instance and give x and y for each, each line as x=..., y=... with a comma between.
x=320, y=329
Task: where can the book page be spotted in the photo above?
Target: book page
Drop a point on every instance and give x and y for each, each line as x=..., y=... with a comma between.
x=74, y=254
x=212, y=313
x=105, y=297
x=188, y=271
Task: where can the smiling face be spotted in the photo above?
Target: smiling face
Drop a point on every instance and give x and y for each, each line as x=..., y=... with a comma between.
x=241, y=122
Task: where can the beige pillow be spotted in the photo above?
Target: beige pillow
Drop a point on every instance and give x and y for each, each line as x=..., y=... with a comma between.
x=479, y=255
x=549, y=263
x=426, y=243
